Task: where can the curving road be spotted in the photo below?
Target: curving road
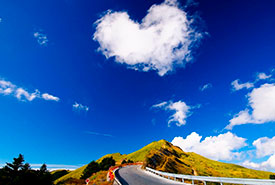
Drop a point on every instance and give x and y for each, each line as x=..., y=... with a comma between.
x=134, y=175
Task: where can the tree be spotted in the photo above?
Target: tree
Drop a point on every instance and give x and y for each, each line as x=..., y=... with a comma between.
x=18, y=173
x=16, y=165
x=106, y=163
x=272, y=176
x=92, y=167
x=43, y=168
x=124, y=161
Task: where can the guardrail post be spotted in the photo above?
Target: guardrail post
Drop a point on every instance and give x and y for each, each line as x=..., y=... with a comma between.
x=204, y=182
x=192, y=181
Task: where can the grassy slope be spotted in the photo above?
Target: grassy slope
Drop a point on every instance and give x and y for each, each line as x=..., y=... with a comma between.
x=163, y=156
x=73, y=174
x=172, y=159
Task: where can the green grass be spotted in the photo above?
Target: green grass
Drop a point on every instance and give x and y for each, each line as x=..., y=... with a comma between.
x=73, y=174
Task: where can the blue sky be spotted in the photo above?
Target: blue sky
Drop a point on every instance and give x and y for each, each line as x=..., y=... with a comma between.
x=79, y=81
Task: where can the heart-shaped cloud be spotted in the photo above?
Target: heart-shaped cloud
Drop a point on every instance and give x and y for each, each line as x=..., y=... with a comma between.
x=164, y=38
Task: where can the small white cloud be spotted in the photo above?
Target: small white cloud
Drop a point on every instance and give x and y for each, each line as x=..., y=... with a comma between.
x=99, y=134
x=263, y=76
x=221, y=147
x=8, y=88
x=236, y=85
x=206, y=86
x=262, y=105
x=163, y=40
x=159, y=105
x=264, y=146
x=41, y=38
x=78, y=106
x=47, y=96
x=181, y=111
x=22, y=94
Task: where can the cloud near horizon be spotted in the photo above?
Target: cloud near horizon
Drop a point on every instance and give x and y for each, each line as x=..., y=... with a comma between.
x=163, y=40
x=264, y=147
x=181, y=111
x=8, y=88
x=221, y=147
x=261, y=107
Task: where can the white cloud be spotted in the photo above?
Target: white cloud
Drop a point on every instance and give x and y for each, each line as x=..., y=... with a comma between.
x=159, y=105
x=264, y=146
x=47, y=96
x=268, y=165
x=181, y=111
x=262, y=105
x=236, y=85
x=78, y=106
x=41, y=38
x=163, y=40
x=263, y=76
x=8, y=88
x=243, y=117
x=99, y=134
x=51, y=167
x=22, y=94
x=206, y=86
x=221, y=147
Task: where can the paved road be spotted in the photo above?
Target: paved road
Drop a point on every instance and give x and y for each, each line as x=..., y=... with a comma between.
x=133, y=175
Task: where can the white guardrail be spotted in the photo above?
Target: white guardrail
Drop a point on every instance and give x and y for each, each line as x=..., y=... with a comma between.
x=220, y=180
x=116, y=180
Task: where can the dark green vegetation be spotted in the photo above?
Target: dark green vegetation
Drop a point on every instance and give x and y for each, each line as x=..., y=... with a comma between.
x=272, y=176
x=127, y=162
x=87, y=170
x=94, y=167
x=20, y=173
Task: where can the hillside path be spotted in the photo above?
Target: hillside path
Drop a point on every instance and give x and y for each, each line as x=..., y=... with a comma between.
x=134, y=175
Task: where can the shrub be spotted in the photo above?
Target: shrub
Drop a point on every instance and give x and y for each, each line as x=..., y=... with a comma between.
x=106, y=163
x=92, y=167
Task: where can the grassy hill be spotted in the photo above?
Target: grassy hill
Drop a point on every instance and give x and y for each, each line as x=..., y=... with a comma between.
x=172, y=159
x=162, y=155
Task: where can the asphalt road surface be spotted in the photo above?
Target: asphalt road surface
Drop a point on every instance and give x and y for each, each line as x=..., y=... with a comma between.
x=134, y=175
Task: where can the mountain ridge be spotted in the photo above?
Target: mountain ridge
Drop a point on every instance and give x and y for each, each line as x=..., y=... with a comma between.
x=164, y=156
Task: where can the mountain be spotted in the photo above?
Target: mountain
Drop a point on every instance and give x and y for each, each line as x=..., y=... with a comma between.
x=164, y=156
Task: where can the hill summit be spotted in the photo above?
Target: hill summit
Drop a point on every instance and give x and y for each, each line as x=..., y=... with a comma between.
x=164, y=156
